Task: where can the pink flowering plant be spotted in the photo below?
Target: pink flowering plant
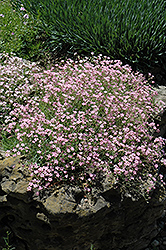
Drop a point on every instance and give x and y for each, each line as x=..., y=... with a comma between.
x=82, y=122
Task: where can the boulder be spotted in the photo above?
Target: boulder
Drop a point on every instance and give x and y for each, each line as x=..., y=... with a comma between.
x=64, y=219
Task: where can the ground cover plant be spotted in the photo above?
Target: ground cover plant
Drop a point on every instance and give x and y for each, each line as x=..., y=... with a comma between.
x=20, y=32
x=80, y=123
x=132, y=31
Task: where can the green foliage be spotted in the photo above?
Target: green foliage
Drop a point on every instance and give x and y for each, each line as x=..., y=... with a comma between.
x=10, y=24
x=91, y=247
x=132, y=31
x=19, y=33
x=7, y=239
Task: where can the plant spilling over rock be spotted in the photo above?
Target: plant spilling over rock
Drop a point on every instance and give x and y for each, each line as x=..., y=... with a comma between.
x=81, y=123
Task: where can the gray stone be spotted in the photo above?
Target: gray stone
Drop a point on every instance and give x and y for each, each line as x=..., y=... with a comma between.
x=161, y=90
x=66, y=219
x=8, y=186
x=161, y=118
x=3, y=199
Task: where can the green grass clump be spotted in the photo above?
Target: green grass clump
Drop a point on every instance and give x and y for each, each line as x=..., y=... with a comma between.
x=132, y=31
x=20, y=32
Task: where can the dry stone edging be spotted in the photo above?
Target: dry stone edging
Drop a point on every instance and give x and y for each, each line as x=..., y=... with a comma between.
x=65, y=219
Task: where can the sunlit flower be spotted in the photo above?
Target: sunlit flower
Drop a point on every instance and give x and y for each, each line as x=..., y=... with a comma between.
x=22, y=8
x=26, y=16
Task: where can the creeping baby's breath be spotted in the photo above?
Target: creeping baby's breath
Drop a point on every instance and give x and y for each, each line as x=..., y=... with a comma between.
x=82, y=122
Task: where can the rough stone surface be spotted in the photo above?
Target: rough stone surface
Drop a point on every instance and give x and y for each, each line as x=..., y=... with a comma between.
x=66, y=220
x=161, y=90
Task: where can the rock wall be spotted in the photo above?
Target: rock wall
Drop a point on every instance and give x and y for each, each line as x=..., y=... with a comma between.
x=66, y=220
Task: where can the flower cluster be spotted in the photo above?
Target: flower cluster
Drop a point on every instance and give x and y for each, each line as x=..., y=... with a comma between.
x=81, y=122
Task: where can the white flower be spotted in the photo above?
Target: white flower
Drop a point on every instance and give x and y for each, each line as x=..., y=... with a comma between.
x=26, y=16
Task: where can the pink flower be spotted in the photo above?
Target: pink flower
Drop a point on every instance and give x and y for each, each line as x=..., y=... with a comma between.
x=29, y=188
x=55, y=154
x=22, y=8
x=84, y=118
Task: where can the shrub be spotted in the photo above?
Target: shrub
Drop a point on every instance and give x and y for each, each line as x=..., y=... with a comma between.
x=82, y=122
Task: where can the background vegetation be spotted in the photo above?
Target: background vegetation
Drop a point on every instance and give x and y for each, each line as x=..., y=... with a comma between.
x=20, y=33
x=132, y=31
